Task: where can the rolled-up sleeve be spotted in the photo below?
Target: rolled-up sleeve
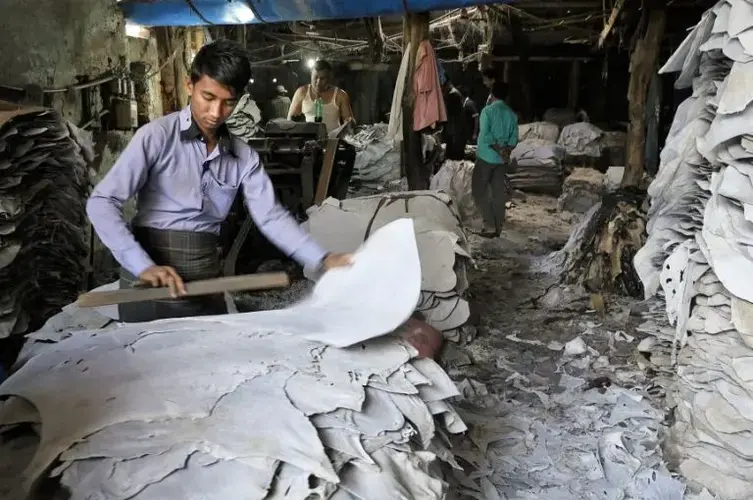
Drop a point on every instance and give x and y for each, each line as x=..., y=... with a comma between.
x=122, y=182
x=274, y=221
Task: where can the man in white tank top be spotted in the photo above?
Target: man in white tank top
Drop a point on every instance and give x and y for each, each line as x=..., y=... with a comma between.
x=335, y=111
x=336, y=108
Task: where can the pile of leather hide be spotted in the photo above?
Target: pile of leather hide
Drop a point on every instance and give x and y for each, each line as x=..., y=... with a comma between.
x=312, y=401
x=698, y=258
x=341, y=226
x=246, y=120
x=377, y=160
x=44, y=184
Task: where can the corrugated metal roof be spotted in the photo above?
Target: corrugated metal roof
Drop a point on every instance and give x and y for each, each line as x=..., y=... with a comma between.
x=203, y=12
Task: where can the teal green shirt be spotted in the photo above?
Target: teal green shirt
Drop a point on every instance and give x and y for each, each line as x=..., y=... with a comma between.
x=498, y=124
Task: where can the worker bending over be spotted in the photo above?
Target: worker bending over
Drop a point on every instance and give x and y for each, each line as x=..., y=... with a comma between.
x=498, y=135
x=321, y=101
x=186, y=169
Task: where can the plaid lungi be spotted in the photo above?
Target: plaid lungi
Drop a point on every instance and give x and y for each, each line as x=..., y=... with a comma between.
x=194, y=256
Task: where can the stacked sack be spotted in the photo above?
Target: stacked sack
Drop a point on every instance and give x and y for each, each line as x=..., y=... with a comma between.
x=698, y=252
x=539, y=166
x=581, y=140
x=44, y=163
x=300, y=403
x=456, y=179
x=377, y=160
x=245, y=122
x=539, y=130
x=341, y=226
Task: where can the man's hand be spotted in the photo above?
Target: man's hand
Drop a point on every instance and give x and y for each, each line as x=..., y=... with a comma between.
x=333, y=260
x=164, y=276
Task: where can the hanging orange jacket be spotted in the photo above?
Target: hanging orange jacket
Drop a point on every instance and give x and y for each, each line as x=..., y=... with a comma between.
x=429, y=108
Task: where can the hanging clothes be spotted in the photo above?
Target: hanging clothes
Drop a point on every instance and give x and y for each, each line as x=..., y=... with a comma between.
x=395, y=128
x=429, y=108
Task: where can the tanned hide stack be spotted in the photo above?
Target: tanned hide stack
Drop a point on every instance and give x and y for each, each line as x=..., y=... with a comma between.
x=698, y=258
x=44, y=183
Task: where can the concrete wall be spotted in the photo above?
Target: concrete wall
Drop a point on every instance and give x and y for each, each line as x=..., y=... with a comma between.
x=51, y=42
x=145, y=51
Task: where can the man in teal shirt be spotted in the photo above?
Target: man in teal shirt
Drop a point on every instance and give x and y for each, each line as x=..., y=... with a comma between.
x=498, y=135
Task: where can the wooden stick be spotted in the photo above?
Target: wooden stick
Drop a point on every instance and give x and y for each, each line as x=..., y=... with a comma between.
x=262, y=281
x=610, y=22
x=325, y=175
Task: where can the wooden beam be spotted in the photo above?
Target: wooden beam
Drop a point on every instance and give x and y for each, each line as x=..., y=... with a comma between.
x=643, y=62
x=610, y=22
x=415, y=30
x=573, y=91
x=325, y=176
x=537, y=59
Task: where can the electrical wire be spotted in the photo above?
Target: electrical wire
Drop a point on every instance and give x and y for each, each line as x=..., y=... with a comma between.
x=78, y=86
x=192, y=6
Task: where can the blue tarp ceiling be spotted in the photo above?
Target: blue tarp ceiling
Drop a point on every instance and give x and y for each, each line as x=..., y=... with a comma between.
x=190, y=13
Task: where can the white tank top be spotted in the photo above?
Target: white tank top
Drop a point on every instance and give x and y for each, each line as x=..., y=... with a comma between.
x=330, y=110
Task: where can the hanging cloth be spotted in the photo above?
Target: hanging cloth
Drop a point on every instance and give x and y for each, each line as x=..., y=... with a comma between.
x=429, y=108
x=395, y=128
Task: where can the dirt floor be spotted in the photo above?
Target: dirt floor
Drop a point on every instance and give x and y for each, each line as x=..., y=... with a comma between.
x=549, y=417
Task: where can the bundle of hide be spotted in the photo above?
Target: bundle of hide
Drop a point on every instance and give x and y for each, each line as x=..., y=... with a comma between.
x=581, y=139
x=539, y=166
x=341, y=226
x=306, y=402
x=377, y=160
x=539, y=130
x=582, y=189
x=563, y=117
x=613, y=146
x=44, y=163
x=246, y=121
x=698, y=255
x=455, y=179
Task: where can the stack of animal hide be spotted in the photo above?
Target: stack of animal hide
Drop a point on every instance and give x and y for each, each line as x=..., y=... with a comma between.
x=306, y=402
x=245, y=122
x=539, y=130
x=698, y=253
x=539, y=166
x=581, y=140
x=341, y=226
x=377, y=160
x=455, y=178
x=45, y=181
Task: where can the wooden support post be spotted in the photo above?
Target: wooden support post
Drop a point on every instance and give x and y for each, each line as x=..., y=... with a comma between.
x=522, y=75
x=574, y=88
x=642, y=68
x=415, y=30
x=167, y=63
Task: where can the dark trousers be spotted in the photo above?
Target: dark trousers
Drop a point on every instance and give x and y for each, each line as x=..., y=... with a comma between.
x=490, y=189
x=194, y=256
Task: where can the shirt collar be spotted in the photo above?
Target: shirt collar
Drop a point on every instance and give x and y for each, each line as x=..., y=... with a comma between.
x=189, y=131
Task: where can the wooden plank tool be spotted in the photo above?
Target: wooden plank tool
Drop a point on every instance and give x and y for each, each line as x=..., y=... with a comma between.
x=261, y=281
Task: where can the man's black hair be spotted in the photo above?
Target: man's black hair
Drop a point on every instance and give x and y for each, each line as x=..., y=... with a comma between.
x=224, y=61
x=491, y=72
x=499, y=90
x=322, y=65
